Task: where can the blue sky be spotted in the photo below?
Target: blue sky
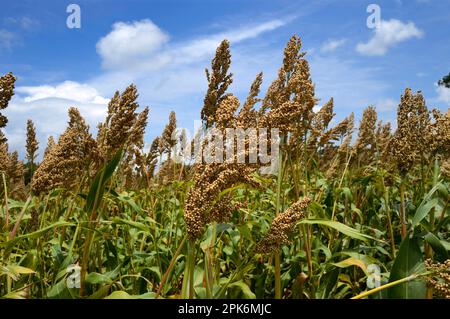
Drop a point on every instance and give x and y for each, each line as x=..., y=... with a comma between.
x=164, y=46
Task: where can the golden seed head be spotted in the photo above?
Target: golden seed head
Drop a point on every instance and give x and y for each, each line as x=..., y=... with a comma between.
x=114, y=133
x=6, y=92
x=50, y=145
x=31, y=143
x=65, y=162
x=410, y=141
x=439, y=278
x=167, y=141
x=247, y=116
x=218, y=81
x=366, y=132
x=282, y=225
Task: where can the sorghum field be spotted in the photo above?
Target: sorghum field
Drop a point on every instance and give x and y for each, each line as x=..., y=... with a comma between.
x=356, y=210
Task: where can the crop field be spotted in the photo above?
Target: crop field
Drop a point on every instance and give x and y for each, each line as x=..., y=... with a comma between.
x=335, y=210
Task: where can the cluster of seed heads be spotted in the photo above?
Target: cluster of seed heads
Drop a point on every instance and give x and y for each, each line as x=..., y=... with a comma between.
x=439, y=278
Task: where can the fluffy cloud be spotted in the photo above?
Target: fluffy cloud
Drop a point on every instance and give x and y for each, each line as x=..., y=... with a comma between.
x=68, y=90
x=141, y=46
x=47, y=106
x=443, y=94
x=387, y=35
x=332, y=45
x=128, y=42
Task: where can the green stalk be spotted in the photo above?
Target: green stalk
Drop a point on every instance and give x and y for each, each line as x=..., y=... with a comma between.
x=277, y=211
x=435, y=181
x=388, y=285
x=88, y=243
x=388, y=215
x=428, y=250
x=170, y=268
x=6, y=201
x=402, y=210
x=187, y=290
x=340, y=185
x=209, y=264
x=333, y=214
x=19, y=219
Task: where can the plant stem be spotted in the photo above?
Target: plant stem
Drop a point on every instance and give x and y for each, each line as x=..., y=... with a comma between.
x=209, y=263
x=388, y=215
x=428, y=250
x=6, y=201
x=19, y=219
x=388, y=285
x=277, y=210
x=170, y=268
x=187, y=291
x=402, y=210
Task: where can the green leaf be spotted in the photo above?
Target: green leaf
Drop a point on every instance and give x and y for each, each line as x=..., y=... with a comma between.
x=133, y=224
x=97, y=188
x=15, y=204
x=228, y=250
x=352, y=262
x=409, y=262
x=118, y=294
x=98, y=279
x=36, y=233
x=14, y=271
x=21, y=270
x=243, y=288
x=59, y=291
x=18, y=294
x=101, y=293
x=438, y=247
x=423, y=211
x=346, y=230
x=126, y=199
x=425, y=206
x=446, y=244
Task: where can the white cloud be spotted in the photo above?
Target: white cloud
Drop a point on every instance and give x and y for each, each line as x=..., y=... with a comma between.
x=141, y=46
x=128, y=42
x=49, y=116
x=443, y=94
x=47, y=106
x=66, y=90
x=332, y=45
x=198, y=48
x=387, y=35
